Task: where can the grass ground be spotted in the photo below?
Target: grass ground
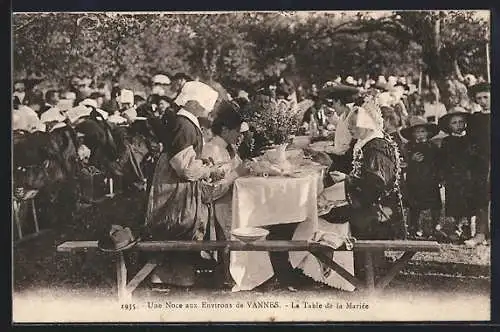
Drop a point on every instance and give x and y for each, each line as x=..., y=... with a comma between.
x=38, y=269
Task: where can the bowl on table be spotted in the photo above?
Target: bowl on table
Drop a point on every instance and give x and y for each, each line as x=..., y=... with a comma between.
x=250, y=234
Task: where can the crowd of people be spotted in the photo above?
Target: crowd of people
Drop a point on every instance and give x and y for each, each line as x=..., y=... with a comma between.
x=439, y=147
x=392, y=148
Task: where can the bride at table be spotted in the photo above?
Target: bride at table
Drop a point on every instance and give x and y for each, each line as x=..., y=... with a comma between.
x=372, y=187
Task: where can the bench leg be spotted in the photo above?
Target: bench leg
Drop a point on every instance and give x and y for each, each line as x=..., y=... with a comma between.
x=121, y=278
x=35, y=217
x=141, y=275
x=369, y=270
x=398, y=266
x=17, y=218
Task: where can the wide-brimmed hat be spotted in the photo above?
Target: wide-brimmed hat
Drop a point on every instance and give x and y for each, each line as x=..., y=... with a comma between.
x=118, y=238
x=416, y=121
x=96, y=94
x=140, y=95
x=338, y=91
x=480, y=87
x=444, y=121
x=180, y=76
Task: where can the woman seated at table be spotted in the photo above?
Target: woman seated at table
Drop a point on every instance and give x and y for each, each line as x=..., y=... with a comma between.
x=372, y=187
x=182, y=192
x=222, y=153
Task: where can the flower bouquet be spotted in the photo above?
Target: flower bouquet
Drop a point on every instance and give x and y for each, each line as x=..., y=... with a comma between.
x=270, y=125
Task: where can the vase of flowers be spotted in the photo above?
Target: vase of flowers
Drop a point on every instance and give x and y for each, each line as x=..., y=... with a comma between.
x=270, y=123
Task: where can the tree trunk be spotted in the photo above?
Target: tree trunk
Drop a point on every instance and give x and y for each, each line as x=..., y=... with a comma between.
x=437, y=34
x=488, y=71
x=431, y=54
x=457, y=70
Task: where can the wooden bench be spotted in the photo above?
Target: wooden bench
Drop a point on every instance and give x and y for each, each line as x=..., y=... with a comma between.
x=368, y=247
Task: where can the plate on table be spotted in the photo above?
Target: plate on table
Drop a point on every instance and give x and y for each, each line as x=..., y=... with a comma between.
x=321, y=146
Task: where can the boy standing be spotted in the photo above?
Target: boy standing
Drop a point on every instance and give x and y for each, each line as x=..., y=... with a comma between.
x=457, y=165
x=422, y=175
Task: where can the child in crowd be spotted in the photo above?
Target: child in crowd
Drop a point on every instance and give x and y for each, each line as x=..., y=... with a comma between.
x=422, y=176
x=457, y=163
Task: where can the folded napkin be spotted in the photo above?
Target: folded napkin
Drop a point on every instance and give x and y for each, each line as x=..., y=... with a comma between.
x=334, y=236
x=331, y=197
x=333, y=240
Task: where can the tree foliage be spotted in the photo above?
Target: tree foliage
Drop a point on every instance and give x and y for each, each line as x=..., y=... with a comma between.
x=242, y=49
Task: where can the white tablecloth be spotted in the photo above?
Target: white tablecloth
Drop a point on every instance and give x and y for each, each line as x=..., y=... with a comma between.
x=259, y=201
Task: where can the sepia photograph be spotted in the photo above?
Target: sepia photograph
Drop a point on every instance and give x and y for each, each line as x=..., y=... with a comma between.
x=251, y=166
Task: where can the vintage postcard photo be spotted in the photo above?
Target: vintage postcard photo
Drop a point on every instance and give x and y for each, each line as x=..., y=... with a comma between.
x=327, y=166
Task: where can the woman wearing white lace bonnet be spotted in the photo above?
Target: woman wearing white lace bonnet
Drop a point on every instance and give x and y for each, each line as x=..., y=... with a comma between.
x=368, y=120
x=372, y=187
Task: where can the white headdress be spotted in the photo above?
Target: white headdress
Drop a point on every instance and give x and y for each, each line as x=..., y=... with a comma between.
x=369, y=115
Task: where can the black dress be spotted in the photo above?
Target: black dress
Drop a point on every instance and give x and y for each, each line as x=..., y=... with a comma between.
x=175, y=209
x=422, y=178
x=457, y=163
x=371, y=193
x=479, y=130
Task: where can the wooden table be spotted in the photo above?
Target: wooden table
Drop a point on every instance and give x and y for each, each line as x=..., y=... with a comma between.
x=368, y=247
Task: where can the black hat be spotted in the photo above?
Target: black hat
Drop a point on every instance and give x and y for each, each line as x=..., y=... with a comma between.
x=138, y=98
x=343, y=92
x=382, y=86
x=444, y=121
x=416, y=121
x=117, y=239
x=480, y=87
x=96, y=94
x=180, y=76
